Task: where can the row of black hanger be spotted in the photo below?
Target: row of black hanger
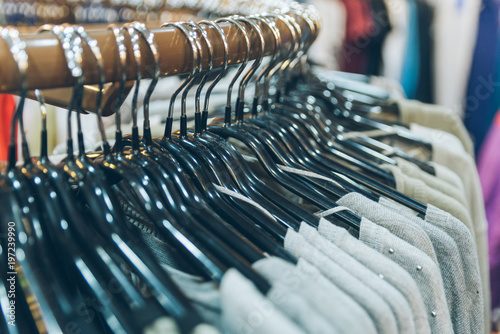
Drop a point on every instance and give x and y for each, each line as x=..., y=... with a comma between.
x=72, y=218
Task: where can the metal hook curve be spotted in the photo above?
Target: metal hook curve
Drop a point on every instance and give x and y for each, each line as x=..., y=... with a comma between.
x=227, y=114
x=71, y=45
x=43, y=112
x=195, y=67
x=149, y=37
x=204, y=116
x=208, y=43
x=136, y=51
x=96, y=52
x=196, y=33
x=240, y=102
x=122, y=56
x=17, y=48
x=261, y=93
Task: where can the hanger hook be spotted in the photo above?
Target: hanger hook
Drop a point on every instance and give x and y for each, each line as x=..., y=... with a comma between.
x=96, y=52
x=17, y=49
x=43, y=108
x=314, y=25
x=204, y=116
x=227, y=115
x=240, y=102
x=77, y=39
x=312, y=18
x=134, y=39
x=196, y=32
x=278, y=68
x=122, y=56
x=286, y=19
x=43, y=111
x=301, y=44
x=149, y=37
x=71, y=44
x=208, y=43
x=261, y=93
x=194, y=69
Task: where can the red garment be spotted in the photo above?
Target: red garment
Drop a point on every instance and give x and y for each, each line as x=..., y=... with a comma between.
x=359, y=22
x=359, y=28
x=7, y=109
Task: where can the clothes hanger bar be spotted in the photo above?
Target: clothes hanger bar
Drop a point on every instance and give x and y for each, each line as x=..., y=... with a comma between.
x=47, y=67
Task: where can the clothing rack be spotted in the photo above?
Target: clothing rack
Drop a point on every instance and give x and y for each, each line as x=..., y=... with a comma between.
x=47, y=65
x=311, y=213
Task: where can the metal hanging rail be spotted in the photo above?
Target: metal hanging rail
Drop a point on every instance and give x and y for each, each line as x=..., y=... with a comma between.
x=47, y=66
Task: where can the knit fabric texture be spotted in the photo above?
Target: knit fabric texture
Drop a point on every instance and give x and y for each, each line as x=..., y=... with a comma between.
x=425, y=272
x=418, y=190
x=449, y=155
x=340, y=310
x=396, y=224
x=410, y=169
x=390, y=294
x=246, y=310
x=465, y=304
x=377, y=308
x=437, y=117
x=446, y=174
x=385, y=268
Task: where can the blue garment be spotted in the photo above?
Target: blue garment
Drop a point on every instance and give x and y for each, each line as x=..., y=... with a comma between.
x=496, y=102
x=482, y=89
x=410, y=73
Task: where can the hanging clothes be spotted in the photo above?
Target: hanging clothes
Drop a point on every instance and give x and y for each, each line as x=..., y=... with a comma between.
x=479, y=103
x=381, y=28
x=318, y=205
x=410, y=72
x=359, y=27
x=395, y=44
x=488, y=165
x=425, y=89
x=496, y=99
x=328, y=44
x=452, y=55
x=7, y=109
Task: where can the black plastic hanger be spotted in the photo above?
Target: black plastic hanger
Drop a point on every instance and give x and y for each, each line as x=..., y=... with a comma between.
x=41, y=255
x=374, y=186
x=302, y=105
x=247, y=181
x=269, y=138
x=279, y=129
x=146, y=193
x=170, y=216
x=131, y=249
x=210, y=164
x=353, y=99
x=288, y=181
x=215, y=165
x=218, y=246
x=210, y=220
x=350, y=109
x=114, y=238
x=351, y=116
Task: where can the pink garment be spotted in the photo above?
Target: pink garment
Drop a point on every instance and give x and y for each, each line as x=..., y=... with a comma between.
x=489, y=173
